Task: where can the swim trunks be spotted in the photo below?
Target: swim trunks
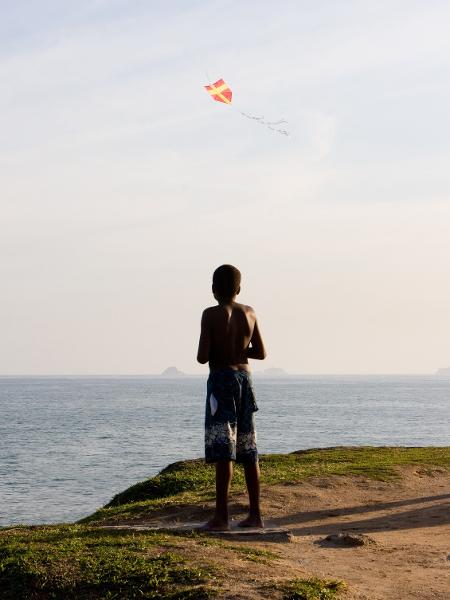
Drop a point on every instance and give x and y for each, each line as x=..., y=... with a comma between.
x=229, y=422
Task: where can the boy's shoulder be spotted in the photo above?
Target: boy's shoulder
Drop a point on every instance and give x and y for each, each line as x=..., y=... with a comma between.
x=209, y=313
x=244, y=308
x=217, y=309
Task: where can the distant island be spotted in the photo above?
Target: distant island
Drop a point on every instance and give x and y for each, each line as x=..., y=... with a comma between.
x=172, y=372
x=445, y=372
x=272, y=372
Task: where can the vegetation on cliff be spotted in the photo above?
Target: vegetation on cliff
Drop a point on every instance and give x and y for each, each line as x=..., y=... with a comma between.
x=192, y=481
x=84, y=561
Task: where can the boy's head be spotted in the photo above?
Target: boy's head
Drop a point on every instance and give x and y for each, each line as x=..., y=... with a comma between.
x=226, y=282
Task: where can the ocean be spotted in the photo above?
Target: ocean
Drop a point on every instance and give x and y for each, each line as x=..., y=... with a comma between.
x=67, y=445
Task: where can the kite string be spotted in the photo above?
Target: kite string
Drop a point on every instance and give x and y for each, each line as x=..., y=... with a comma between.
x=273, y=125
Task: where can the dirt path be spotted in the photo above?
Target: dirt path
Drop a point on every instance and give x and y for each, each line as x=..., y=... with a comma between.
x=408, y=521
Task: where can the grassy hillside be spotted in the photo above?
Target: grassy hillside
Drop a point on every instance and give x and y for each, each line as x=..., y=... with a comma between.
x=81, y=561
x=192, y=481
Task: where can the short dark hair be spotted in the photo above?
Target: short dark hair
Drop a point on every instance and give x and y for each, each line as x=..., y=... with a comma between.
x=226, y=281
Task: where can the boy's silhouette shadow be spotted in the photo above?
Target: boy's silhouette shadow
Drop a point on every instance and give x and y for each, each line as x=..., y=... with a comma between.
x=425, y=516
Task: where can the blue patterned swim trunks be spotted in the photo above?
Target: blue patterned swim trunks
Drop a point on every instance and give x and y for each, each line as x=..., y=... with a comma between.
x=229, y=421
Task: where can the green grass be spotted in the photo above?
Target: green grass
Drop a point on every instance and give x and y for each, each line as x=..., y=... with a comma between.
x=183, y=476
x=312, y=589
x=254, y=554
x=80, y=563
x=191, y=482
x=245, y=551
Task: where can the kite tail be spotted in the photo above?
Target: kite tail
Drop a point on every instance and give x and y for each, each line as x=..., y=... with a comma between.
x=273, y=125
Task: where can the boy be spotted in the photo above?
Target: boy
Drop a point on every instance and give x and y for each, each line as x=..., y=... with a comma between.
x=229, y=337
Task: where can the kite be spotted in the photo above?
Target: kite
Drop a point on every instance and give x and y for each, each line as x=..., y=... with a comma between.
x=221, y=92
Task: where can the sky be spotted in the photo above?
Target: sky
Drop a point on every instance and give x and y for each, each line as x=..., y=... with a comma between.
x=123, y=185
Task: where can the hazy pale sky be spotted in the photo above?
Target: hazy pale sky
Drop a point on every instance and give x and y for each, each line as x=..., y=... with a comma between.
x=123, y=185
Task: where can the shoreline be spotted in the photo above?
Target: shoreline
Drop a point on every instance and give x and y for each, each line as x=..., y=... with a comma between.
x=200, y=460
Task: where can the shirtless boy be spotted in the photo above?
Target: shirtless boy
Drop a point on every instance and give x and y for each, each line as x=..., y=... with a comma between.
x=229, y=337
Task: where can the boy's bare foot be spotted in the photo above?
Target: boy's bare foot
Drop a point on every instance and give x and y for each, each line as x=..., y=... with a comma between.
x=215, y=524
x=252, y=521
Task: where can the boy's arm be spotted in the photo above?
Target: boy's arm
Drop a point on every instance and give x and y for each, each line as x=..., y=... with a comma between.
x=204, y=343
x=256, y=350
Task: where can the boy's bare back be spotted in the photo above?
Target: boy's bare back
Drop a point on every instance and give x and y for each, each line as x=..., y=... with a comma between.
x=229, y=337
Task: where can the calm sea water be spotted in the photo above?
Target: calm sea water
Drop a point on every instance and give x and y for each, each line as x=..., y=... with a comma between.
x=68, y=445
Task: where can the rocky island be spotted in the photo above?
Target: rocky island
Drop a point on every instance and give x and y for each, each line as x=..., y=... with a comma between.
x=272, y=372
x=172, y=372
x=445, y=372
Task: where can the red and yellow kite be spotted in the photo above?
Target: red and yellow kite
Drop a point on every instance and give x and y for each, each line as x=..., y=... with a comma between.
x=220, y=91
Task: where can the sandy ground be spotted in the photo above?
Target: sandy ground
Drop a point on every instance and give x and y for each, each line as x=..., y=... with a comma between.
x=407, y=521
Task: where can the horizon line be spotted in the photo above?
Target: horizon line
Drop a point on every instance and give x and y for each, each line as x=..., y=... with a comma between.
x=181, y=375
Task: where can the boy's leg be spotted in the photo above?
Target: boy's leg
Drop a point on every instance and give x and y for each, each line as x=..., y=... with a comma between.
x=224, y=473
x=252, y=480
